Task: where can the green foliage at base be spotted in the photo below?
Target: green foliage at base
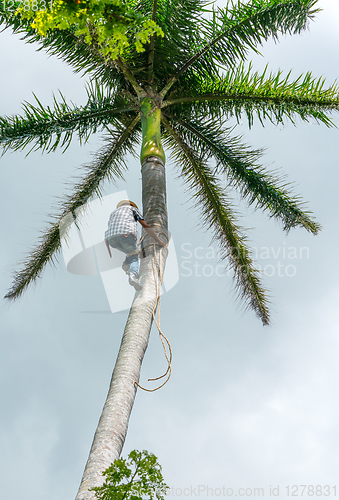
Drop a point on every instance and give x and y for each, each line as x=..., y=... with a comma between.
x=102, y=23
x=138, y=478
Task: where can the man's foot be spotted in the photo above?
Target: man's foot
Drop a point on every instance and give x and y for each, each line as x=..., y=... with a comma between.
x=125, y=268
x=133, y=281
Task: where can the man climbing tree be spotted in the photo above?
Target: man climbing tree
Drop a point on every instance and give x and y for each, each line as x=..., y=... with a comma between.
x=122, y=234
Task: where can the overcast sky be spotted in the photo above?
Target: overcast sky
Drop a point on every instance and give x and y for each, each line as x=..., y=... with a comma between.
x=247, y=406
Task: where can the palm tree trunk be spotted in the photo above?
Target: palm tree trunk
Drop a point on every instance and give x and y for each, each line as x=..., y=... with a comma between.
x=112, y=428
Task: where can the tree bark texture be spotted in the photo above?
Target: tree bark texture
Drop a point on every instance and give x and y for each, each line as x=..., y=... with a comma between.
x=112, y=428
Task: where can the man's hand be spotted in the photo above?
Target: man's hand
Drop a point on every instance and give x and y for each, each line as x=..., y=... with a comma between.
x=158, y=240
x=162, y=243
x=152, y=233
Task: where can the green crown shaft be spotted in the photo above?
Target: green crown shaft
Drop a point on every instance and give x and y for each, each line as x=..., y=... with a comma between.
x=150, y=123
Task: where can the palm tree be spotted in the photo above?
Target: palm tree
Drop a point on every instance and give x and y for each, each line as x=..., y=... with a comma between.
x=179, y=93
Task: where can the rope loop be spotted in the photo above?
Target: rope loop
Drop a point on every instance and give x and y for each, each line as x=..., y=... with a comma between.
x=163, y=338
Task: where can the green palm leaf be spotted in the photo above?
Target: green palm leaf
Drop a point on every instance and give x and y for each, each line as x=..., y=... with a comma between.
x=108, y=164
x=240, y=27
x=165, y=55
x=218, y=216
x=269, y=96
x=47, y=128
x=259, y=187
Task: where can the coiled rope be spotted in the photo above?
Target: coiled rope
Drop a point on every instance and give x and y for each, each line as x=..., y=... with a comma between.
x=163, y=338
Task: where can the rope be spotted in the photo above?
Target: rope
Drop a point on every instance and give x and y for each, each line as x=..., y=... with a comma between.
x=157, y=322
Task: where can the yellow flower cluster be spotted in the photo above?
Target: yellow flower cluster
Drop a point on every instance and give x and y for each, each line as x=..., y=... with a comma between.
x=109, y=24
x=149, y=28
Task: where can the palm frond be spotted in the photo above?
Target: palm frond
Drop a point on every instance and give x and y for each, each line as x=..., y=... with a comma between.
x=107, y=164
x=239, y=163
x=218, y=216
x=46, y=128
x=179, y=20
x=240, y=26
x=232, y=31
x=269, y=96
